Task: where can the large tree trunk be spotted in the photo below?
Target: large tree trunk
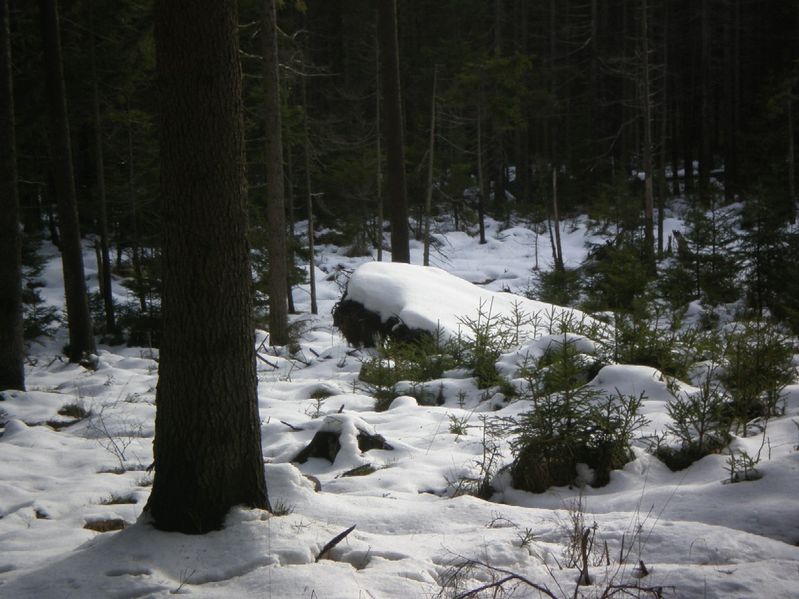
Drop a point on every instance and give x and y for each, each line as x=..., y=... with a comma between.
x=392, y=125
x=207, y=430
x=275, y=195
x=12, y=370
x=81, y=336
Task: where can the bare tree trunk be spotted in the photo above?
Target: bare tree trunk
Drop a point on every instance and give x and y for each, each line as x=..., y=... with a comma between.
x=395, y=163
x=664, y=129
x=290, y=226
x=81, y=335
x=12, y=348
x=275, y=193
x=556, y=216
x=481, y=180
x=135, y=245
x=705, y=157
x=428, y=203
x=791, y=159
x=379, y=155
x=648, y=164
x=207, y=446
x=102, y=217
x=309, y=200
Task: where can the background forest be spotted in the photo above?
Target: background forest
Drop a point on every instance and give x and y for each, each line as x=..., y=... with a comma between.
x=613, y=98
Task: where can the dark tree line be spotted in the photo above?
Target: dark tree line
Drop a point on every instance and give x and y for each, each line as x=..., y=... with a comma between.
x=530, y=95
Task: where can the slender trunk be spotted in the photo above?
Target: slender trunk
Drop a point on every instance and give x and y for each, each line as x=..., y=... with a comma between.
x=481, y=182
x=275, y=194
x=791, y=154
x=290, y=227
x=81, y=335
x=664, y=129
x=428, y=202
x=12, y=348
x=309, y=200
x=558, y=250
x=395, y=163
x=705, y=157
x=135, y=246
x=378, y=156
x=646, y=105
x=105, y=258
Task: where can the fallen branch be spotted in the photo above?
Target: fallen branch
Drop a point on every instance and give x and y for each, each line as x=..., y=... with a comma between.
x=291, y=426
x=334, y=541
x=260, y=357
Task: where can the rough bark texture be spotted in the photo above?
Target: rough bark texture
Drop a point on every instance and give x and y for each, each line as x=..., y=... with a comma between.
x=392, y=114
x=81, y=336
x=207, y=431
x=12, y=371
x=275, y=194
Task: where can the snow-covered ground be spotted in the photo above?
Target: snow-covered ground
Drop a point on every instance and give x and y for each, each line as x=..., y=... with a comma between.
x=695, y=535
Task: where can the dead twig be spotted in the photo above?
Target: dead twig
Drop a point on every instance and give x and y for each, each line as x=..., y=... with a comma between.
x=334, y=541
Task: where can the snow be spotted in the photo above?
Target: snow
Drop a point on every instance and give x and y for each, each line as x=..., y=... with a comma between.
x=696, y=535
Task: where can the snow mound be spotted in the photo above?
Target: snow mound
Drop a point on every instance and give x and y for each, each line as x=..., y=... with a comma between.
x=430, y=299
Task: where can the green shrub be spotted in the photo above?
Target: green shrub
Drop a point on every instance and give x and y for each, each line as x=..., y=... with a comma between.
x=758, y=364
x=566, y=429
x=700, y=423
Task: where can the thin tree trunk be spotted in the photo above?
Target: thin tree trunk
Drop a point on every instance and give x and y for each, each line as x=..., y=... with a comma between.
x=309, y=200
x=664, y=129
x=791, y=153
x=81, y=335
x=12, y=348
x=481, y=180
x=705, y=157
x=289, y=186
x=556, y=215
x=378, y=155
x=646, y=105
x=135, y=246
x=395, y=159
x=275, y=193
x=428, y=203
x=102, y=216
x=207, y=447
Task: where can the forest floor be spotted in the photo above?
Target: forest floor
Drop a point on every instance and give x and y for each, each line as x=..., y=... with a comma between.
x=75, y=448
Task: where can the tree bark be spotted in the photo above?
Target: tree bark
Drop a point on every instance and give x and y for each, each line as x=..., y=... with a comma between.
x=428, y=202
x=81, y=335
x=306, y=145
x=378, y=156
x=557, y=249
x=12, y=349
x=392, y=125
x=648, y=163
x=207, y=445
x=275, y=193
x=102, y=216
